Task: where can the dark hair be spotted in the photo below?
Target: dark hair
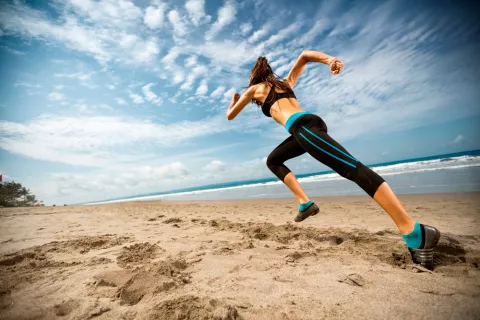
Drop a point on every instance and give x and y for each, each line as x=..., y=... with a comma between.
x=262, y=72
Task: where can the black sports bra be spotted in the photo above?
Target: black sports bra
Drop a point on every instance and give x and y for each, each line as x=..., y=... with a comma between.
x=272, y=97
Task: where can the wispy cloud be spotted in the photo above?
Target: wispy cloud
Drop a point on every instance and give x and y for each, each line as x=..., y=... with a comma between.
x=196, y=11
x=218, y=92
x=26, y=84
x=78, y=75
x=136, y=98
x=155, y=16
x=10, y=50
x=56, y=96
x=150, y=95
x=101, y=140
x=226, y=15
x=458, y=139
x=202, y=89
x=108, y=33
x=178, y=25
x=121, y=101
x=245, y=28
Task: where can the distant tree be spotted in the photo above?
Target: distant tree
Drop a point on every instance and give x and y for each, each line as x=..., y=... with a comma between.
x=13, y=194
x=24, y=192
x=31, y=199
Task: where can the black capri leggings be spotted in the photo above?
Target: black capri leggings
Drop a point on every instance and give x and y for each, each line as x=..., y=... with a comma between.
x=309, y=134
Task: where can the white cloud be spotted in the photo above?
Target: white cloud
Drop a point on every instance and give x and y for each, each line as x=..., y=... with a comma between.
x=226, y=53
x=145, y=50
x=191, y=61
x=56, y=96
x=227, y=96
x=246, y=28
x=215, y=166
x=111, y=87
x=278, y=62
x=26, y=84
x=8, y=49
x=101, y=141
x=319, y=26
x=107, y=12
x=85, y=26
x=179, y=27
x=197, y=71
x=136, y=98
x=226, y=15
x=78, y=75
x=458, y=139
x=171, y=56
x=218, y=92
x=150, y=95
x=283, y=33
x=202, y=89
x=121, y=101
x=257, y=35
x=154, y=16
x=118, y=180
x=178, y=76
x=284, y=67
x=196, y=11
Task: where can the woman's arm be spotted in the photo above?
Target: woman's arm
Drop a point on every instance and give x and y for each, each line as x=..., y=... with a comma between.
x=312, y=56
x=239, y=102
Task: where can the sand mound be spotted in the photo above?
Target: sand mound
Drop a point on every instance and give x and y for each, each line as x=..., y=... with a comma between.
x=137, y=254
x=130, y=286
x=189, y=307
x=385, y=245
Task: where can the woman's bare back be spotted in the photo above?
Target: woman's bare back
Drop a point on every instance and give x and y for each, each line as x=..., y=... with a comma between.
x=282, y=109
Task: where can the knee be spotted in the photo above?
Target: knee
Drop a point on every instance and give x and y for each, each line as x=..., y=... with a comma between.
x=272, y=162
x=366, y=178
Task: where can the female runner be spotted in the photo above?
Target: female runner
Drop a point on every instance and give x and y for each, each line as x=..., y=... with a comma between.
x=308, y=133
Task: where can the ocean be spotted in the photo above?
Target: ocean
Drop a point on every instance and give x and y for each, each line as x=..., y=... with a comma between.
x=448, y=173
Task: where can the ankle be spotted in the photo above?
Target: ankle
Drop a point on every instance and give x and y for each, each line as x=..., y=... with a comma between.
x=407, y=227
x=304, y=206
x=304, y=200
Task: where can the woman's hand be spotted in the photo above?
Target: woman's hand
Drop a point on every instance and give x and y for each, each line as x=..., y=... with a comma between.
x=335, y=65
x=235, y=97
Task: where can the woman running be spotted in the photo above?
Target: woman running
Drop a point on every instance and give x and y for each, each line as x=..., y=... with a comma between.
x=309, y=134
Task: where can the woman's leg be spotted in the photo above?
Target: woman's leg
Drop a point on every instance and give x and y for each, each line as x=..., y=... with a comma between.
x=390, y=203
x=288, y=149
x=322, y=147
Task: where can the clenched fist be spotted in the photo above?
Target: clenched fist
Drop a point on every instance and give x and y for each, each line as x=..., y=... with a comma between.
x=336, y=66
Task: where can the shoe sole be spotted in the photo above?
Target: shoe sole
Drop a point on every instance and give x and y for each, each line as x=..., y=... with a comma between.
x=424, y=257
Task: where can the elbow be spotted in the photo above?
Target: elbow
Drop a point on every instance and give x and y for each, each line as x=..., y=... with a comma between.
x=304, y=55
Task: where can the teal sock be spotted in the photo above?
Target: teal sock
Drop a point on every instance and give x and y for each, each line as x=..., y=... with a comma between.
x=304, y=206
x=414, y=238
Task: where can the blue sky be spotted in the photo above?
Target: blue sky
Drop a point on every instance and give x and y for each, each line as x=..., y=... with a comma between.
x=103, y=99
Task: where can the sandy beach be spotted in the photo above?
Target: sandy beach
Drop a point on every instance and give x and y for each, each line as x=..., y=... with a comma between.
x=237, y=259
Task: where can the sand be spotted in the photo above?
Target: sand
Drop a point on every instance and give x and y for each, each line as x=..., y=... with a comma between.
x=242, y=259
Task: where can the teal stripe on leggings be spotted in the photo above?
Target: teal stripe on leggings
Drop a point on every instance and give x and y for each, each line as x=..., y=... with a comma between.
x=313, y=134
x=348, y=163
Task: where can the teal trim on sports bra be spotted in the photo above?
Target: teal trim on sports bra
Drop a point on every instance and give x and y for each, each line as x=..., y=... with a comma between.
x=293, y=118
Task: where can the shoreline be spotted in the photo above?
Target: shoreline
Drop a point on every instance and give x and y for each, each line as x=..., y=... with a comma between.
x=406, y=196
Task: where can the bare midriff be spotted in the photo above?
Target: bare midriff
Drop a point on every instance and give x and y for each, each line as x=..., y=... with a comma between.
x=284, y=109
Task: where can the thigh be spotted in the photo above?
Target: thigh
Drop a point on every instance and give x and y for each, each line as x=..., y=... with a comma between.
x=288, y=149
x=318, y=143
